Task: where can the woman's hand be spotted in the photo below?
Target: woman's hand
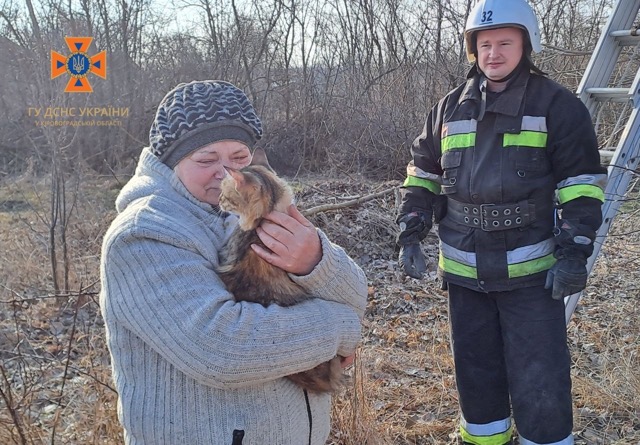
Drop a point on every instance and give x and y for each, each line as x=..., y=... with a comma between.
x=293, y=240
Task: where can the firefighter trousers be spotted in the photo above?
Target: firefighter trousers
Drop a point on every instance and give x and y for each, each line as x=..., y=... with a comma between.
x=510, y=350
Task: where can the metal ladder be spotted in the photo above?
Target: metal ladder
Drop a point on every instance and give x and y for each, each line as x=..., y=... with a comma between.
x=594, y=89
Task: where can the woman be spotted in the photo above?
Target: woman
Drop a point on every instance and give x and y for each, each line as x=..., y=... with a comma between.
x=191, y=365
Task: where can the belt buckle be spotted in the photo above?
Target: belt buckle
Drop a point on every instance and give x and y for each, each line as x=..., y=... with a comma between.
x=484, y=216
x=485, y=206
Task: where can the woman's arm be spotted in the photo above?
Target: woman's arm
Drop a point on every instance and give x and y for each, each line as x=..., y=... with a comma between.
x=168, y=295
x=321, y=267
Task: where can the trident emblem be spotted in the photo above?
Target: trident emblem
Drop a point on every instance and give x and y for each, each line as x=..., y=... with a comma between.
x=78, y=64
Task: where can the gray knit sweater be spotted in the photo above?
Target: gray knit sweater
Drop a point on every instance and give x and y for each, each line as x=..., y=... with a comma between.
x=190, y=364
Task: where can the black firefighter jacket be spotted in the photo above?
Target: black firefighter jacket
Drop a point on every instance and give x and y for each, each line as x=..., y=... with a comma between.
x=527, y=149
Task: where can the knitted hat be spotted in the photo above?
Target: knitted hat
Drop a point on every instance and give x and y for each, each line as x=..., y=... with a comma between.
x=199, y=113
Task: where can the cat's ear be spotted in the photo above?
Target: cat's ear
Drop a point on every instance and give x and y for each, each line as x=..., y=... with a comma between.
x=238, y=177
x=260, y=158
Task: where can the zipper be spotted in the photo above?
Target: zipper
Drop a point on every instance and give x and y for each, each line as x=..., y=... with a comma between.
x=306, y=399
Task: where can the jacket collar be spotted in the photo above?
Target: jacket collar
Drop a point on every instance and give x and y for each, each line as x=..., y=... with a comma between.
x=510, y=102
x=507, y=105
x=471, y=90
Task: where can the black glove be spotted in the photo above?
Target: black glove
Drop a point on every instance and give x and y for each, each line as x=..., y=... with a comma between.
x=411, y=260
x=574, y=240
x=414, y=227
x=567, y=277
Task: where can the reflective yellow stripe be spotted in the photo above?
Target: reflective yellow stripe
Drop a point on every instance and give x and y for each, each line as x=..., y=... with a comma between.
x=531, y=267
x=412, y=181
x=526, y=139
x=495, y=439
x=456, y=268
x=467, y=140
x=572, y=192
x=515, y=270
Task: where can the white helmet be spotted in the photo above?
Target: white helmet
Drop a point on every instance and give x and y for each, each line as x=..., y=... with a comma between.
x=490, y=14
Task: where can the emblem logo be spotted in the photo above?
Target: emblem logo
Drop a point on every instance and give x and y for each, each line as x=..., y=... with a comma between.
x=78, y=65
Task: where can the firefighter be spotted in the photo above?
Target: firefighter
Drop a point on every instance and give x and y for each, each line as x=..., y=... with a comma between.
x=508, y=166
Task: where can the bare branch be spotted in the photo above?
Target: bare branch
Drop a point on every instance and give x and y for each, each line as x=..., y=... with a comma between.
x=351, y=203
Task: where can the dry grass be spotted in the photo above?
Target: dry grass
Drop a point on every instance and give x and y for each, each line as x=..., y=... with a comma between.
x=55, y=380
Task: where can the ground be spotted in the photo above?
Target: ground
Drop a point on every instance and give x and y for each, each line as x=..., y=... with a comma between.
x=54, y=372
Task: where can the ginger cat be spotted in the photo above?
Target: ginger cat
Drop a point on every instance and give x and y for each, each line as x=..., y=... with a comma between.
x=251, y=193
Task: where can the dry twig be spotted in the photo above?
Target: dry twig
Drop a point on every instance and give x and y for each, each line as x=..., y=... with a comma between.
x=342, y=205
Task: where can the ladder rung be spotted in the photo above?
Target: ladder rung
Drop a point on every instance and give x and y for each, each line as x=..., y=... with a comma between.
x=628, y=37
x=606, y=154
x=610, y=94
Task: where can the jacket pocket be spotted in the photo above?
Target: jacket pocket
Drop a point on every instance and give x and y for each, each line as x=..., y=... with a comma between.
x=529, y=162
x=450, y=163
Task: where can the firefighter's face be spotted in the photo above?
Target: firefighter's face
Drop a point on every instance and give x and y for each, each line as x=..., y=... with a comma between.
x=499, y=51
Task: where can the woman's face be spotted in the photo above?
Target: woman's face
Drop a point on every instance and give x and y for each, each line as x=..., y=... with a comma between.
x=202, y=171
